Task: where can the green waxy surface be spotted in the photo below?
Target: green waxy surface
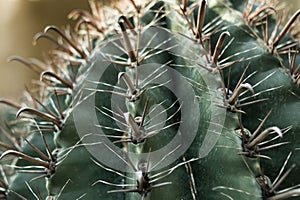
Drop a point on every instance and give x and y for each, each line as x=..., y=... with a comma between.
x=181, y=94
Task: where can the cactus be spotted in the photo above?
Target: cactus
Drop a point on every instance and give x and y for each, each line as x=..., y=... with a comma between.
x=160, y=100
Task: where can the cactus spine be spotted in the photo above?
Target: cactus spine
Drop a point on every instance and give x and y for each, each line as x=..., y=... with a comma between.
x=167, y=100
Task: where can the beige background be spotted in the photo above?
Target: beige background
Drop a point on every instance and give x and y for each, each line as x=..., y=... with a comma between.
x=20, y=20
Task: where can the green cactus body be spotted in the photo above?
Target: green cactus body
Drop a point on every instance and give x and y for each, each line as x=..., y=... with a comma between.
x=167, y=101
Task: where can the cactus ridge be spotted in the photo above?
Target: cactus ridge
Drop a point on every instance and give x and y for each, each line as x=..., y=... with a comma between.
x=159, y=100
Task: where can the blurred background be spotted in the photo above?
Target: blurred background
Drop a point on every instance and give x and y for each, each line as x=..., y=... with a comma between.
x=20, y=20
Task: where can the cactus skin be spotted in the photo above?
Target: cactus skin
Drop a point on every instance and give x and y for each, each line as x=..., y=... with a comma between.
x=221, y=55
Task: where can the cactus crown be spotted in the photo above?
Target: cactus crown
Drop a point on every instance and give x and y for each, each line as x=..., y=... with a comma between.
x=160, y=100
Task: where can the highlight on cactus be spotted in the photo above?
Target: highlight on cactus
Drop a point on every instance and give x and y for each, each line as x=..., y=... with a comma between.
x=159, y=100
